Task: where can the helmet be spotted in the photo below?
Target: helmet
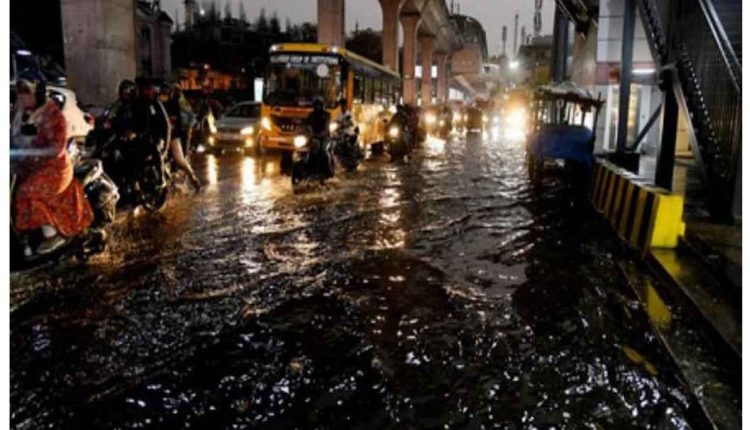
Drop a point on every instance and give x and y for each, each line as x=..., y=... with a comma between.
x=126, y=87
x=165, y=90
x=33, y=81
x=318, y=103
x=342, y=102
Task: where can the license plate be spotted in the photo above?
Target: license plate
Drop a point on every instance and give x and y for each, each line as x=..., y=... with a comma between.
x=228, y=136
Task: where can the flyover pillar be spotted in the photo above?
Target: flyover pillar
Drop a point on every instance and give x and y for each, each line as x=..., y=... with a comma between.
x=390, y=9
x=425, y=45
x=410, y=24
x=99, y=41
x=441, y=61
x=331, y=14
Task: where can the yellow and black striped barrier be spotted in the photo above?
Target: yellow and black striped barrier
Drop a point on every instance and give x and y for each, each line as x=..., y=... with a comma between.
x=644, y=216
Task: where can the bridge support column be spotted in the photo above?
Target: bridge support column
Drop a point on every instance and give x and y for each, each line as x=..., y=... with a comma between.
x=442, y=77
x=668, y=137
x=410, y=24
x=425, y=45
x=331, y=14
x=100, y=47
x=390, y=9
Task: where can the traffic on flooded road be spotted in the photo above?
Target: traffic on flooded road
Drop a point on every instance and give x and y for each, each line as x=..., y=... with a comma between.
x=440, y=291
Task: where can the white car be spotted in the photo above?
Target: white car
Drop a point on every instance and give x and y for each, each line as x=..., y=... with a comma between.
x=237, y=129
x=79, y=122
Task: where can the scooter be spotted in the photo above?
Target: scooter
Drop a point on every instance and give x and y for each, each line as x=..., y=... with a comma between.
x=346, y=146
x=312, y=159
x=101, y=193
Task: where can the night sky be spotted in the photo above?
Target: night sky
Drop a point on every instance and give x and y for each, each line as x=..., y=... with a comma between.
x=493, y=14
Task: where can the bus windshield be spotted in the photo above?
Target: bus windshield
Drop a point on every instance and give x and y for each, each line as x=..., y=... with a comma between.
x=297, y=79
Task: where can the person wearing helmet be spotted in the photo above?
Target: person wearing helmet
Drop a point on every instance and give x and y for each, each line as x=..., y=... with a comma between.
x=319, y=119
x=119, y=117
x=171, y=102
x=49, y=198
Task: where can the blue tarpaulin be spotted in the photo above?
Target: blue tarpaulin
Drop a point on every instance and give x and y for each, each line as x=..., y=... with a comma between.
x=567, y=142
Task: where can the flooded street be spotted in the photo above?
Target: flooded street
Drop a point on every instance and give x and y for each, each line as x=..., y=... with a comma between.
x=439, y=293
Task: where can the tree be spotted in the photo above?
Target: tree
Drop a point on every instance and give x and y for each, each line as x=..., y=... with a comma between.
x=288, y=26
x=243, y=15
x=274, y=27
x=367, y=43
x=261, y=24
x=228, y=10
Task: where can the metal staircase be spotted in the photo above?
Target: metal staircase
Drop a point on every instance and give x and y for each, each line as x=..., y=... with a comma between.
x=702, y=40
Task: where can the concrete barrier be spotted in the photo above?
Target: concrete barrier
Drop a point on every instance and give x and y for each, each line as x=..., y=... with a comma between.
x=644, y=216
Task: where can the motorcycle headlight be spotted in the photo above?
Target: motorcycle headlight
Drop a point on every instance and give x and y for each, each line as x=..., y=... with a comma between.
x=430, y=119
x=485, y=119
x=212, y=128
x=442, y=123
x=247, y=131
x=393, y=132
x=266, y=123
x=332, y=127
x=300, y=142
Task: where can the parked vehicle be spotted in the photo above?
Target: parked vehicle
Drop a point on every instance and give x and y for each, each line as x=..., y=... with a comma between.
x=238, y=128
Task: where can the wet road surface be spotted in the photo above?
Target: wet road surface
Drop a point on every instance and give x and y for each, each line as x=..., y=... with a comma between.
x=439, y=293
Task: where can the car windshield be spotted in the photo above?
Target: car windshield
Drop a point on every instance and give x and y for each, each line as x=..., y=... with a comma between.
x=297, y=79
x=244, y=111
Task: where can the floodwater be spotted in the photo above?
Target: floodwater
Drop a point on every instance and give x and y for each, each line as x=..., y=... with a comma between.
x=443, y=292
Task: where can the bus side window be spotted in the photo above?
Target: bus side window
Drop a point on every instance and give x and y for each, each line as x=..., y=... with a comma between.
x=369, y=90
x=359, y=89
x=377, y=91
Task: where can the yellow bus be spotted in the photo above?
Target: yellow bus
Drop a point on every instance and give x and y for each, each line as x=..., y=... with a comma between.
x=299, y=72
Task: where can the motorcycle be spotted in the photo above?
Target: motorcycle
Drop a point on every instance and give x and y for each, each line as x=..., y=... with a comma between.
x=140, y=169
x=399, y=141
x=312, y=159
x=101, y=193
x=346, y=143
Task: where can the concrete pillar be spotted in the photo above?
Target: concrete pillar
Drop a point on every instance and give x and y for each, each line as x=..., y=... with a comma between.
x=425, y=45
x=441, y=60
x=331, y=14
x=390, y=9
x=410, y=24
x=100, y=47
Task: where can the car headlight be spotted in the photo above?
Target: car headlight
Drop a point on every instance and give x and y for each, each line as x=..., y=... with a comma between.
x=300, y=142
x=247, y=131
x=249, y=142
x=430, y=119
x=332, y=127
x=485, y=119
x=496, y=119
x=393, y=132
x=266, y=123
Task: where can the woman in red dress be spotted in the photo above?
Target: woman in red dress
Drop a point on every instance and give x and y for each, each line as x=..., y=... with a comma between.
x=49, y=197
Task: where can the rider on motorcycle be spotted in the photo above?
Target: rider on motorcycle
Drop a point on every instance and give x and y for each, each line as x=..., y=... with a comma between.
x=119, y=118
x=319, y=119
x=48, y=197
x=171, y=101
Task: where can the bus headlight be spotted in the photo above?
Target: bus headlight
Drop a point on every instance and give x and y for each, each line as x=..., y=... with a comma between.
x=266, y=123
x=247, y=131
x=332, y=127
x=300, y=142
x=393, y=132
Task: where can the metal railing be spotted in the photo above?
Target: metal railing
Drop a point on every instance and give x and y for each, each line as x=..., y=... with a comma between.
x=689, y=34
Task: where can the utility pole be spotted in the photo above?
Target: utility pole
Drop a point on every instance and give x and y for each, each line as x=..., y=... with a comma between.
x=515, y=37
x=505, y=38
